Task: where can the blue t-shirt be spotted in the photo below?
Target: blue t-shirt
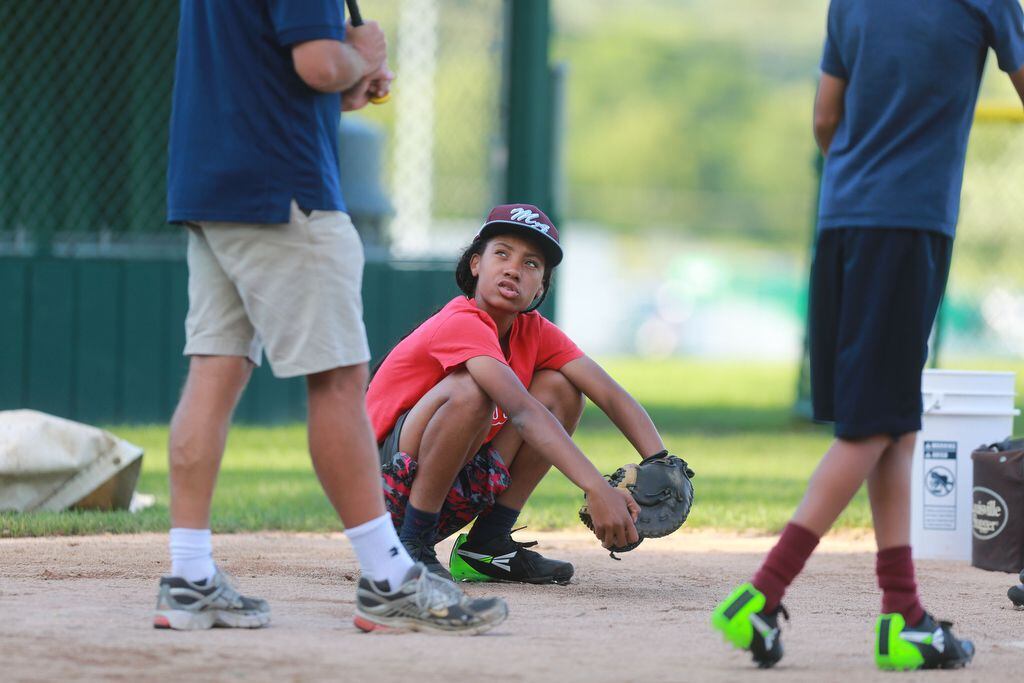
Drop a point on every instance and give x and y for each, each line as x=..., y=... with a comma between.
x=913, y=69
x=247, y=134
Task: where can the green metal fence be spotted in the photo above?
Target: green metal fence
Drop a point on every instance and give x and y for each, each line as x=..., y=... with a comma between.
x=100, y=340
x=86, y=92
x=92, y=279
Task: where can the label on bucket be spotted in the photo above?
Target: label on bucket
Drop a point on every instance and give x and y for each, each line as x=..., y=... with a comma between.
x=940, y=485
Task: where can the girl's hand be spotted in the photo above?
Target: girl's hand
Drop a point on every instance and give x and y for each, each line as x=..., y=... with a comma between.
x=613, y=512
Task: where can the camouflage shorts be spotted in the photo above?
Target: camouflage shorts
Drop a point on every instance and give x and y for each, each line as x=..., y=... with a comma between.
x=479, y=483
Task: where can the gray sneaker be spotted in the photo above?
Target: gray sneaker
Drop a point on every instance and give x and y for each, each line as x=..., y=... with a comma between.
x=186, y=606
x=424, y=602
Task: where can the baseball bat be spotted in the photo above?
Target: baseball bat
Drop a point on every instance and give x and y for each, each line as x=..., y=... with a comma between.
x=356, y=17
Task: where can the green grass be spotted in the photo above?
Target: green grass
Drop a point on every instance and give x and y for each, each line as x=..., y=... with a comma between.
x=266, y=482
x=731, y=421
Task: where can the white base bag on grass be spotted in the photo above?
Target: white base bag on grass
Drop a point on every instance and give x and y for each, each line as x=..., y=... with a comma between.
x=49, y=463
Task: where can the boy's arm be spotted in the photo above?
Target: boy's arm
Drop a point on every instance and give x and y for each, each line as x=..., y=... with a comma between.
x=1017, y=78
x=828, y=110
x=613, y=513
x=623, y=410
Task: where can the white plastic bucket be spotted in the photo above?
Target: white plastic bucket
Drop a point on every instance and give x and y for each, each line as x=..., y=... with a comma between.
x=962, y=410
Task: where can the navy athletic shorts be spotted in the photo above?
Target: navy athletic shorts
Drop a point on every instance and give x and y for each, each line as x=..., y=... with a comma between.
x=873, y=299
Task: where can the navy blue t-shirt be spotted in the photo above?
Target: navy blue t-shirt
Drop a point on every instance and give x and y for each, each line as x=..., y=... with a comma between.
x=913, y=69
x=247, y=134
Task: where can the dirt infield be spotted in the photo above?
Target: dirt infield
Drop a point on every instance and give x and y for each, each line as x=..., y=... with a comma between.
x=80, y=609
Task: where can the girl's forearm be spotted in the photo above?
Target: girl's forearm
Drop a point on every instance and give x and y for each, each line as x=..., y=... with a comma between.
x=636, y=425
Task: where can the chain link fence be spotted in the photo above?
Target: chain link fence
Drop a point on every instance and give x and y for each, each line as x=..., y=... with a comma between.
x=94, y=278
x=86, y=95
x=86, y=102
x=446, y=139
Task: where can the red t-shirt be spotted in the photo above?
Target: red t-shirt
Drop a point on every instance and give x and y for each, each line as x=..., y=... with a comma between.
x=445, y=341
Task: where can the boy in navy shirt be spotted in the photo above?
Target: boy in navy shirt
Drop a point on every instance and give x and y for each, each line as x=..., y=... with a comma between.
x=893, y=112
x=275, y=264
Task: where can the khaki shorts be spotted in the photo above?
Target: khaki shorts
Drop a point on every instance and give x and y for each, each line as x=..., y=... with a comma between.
x=292, y=289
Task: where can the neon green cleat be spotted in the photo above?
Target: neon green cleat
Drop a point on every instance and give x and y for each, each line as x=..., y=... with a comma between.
x=502, y=558
x=459, y=568
x=743, y=623
x=929, y=645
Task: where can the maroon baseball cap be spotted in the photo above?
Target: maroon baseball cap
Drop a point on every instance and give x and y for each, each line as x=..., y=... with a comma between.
x=528, y=220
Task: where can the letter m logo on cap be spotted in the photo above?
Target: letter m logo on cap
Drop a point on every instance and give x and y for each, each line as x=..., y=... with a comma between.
x=529, y=218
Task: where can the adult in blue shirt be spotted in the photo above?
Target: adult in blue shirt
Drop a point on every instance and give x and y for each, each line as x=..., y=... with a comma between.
x=276, y=265
x=892, y=116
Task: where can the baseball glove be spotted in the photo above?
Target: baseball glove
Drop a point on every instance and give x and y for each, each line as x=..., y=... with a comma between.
x=662, y=489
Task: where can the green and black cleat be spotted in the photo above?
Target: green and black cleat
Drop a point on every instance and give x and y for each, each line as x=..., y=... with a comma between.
x=504, y=559
x=928, y=645
x=742, y=621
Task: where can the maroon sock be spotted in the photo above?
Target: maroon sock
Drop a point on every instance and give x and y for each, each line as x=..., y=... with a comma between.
x=784, y=562
x=895, y=572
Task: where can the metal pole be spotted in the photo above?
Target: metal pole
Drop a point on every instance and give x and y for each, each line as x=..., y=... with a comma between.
x=803, y=407
x=528, y=104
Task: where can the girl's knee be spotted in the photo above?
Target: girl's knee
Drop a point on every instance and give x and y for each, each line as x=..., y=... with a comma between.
x=558, y=395
x=465, y=393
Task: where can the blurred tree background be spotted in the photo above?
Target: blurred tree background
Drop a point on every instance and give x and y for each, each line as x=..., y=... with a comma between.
x=693, y=114
x=688, y=115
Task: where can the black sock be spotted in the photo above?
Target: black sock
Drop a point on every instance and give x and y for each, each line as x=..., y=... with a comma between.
x=498, y=522
x=418, y=524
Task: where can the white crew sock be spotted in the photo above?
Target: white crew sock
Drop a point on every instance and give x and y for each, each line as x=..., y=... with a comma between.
x=381, y=555
x=192, y=554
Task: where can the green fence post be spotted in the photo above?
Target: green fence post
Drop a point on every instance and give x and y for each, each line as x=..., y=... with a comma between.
x=802, y=406
x=532, y=96
x=936, y=345
x=528, y=104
